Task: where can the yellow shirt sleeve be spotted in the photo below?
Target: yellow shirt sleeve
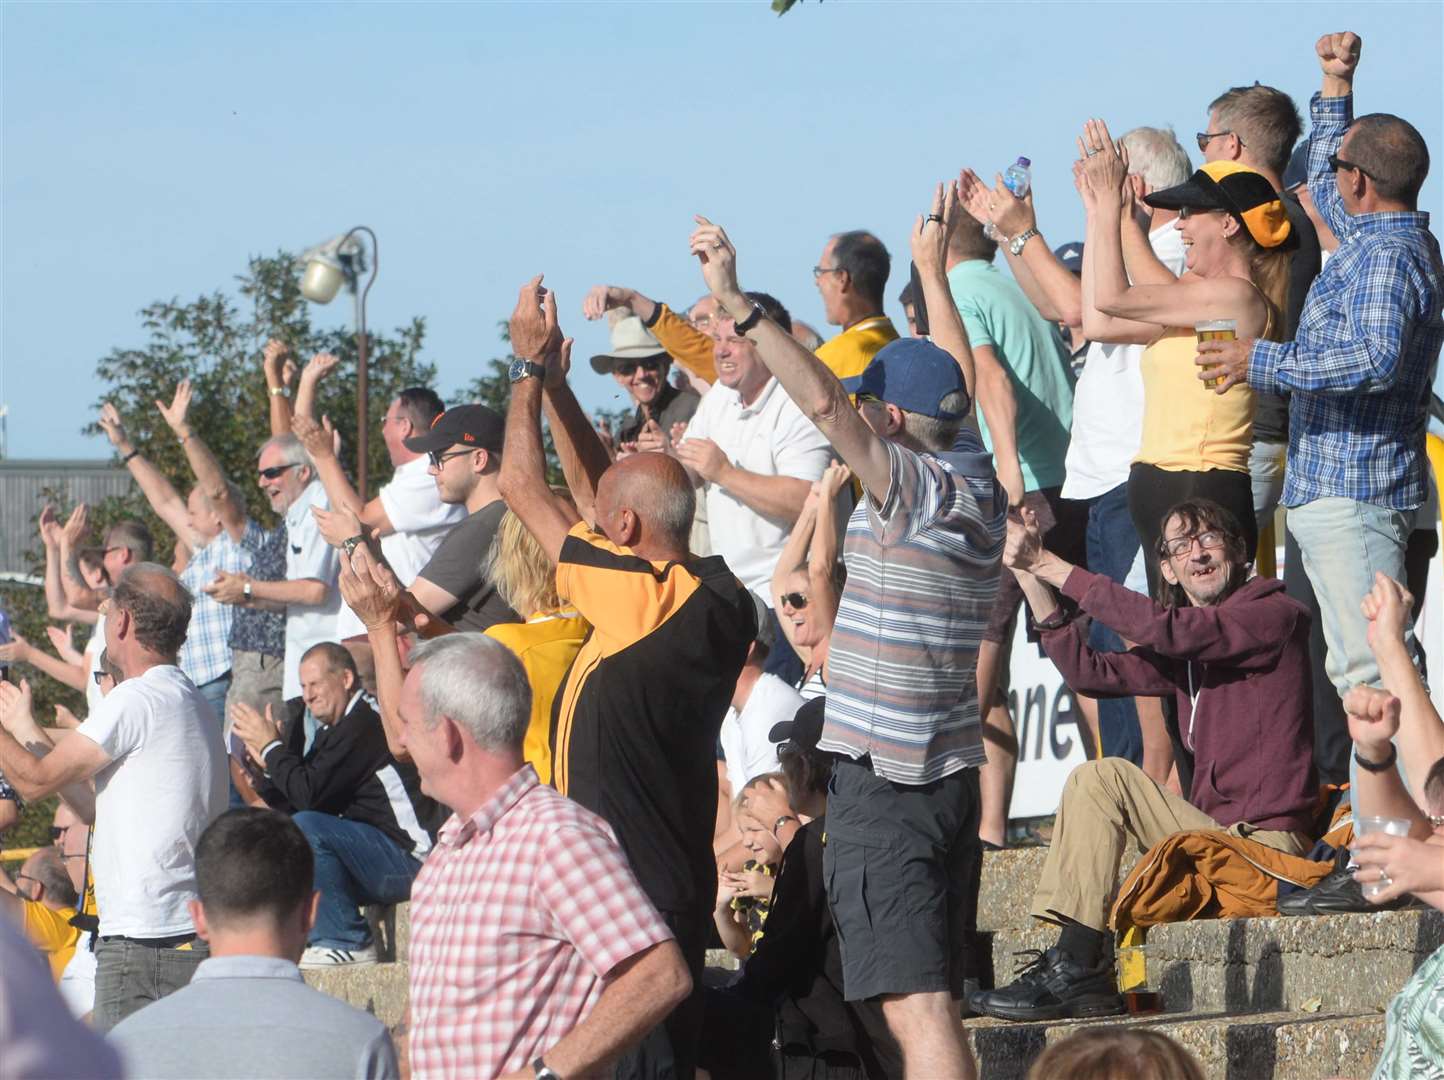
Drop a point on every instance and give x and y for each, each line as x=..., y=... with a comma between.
x=685, y=344
x=50, y=932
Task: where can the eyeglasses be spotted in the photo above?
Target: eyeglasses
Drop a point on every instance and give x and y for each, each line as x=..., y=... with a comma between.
x=818, y=271
x=1204, y=138
x=438, y=459
x=1336, y=163
x=57, y=831
x=275, y=471
x=1187, y=212
x=99, y=675
x=1182, y=545
x=795, y=600
x=862, y=397
x=627, y=368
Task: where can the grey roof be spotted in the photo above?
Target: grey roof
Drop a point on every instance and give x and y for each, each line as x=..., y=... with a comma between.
x=21, y=484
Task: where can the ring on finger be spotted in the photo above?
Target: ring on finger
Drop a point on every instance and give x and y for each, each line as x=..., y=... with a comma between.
x=1092, y=150
x=935, y=217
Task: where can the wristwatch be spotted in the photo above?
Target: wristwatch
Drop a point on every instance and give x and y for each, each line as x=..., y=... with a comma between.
x=752, y=320
x=246, y=590
x=280, y=391
x=521, y=369
x=1016, y=244
x=350, y=543
x=778, y=823
x=544, y=1071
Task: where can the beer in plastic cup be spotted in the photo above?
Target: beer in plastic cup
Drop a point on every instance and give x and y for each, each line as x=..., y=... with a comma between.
x=1216, y=330
x=1389, y=827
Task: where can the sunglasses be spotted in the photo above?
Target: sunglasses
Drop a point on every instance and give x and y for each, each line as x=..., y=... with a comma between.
x=275, y=471
x=1336, y=163
x=438, y=459
x=795, y=600
x=57, y=831
x=627, y=368
x=1204, y=137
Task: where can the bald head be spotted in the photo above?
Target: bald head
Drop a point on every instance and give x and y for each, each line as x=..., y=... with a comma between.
x=647, y=500
x=158, y=605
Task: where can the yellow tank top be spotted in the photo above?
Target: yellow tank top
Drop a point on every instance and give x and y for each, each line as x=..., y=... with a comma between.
x=1186, y=426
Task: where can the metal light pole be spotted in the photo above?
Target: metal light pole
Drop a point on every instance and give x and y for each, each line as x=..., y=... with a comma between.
x=328, y=265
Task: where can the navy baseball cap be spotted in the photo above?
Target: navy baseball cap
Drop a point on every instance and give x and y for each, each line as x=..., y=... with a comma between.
x=1297, y=172
x=1071, y=255
x=913, y=374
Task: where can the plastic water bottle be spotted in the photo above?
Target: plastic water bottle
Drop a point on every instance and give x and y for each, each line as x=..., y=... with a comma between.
x=1018, y=179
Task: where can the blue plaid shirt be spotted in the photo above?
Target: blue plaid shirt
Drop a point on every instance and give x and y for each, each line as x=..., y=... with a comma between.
x=206, y=654
x=1359, y=367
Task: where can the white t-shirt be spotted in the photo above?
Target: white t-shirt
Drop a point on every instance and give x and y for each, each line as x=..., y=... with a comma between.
x=770, y=437
x=745, y=745
x=93, y=648
x=308, y=556
x=1108, y=401
x=420, y=520
x=165, y=783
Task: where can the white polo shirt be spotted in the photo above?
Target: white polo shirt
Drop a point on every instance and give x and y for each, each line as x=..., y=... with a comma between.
x=745, y=743
x=165, y=783
x=420, y=520
x=1108, y=401
x=308, y=556
x=770, y=437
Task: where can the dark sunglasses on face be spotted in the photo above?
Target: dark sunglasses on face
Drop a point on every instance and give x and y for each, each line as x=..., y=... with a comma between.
x=627, y=368
x=438, y=459
x=57, y=831
x=795, y=600
x=99, y=675
x=1336, y=163
x=275, y=470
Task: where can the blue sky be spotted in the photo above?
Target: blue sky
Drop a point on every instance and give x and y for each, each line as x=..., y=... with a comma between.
x=149, y=148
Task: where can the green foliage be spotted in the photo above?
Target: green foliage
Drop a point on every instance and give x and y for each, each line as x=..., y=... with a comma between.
x=782, y=7
x=215, y=341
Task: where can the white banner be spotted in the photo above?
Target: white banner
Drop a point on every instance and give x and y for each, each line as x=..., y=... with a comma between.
x=1050, y=742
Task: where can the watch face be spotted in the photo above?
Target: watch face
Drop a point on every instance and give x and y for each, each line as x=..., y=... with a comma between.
x=517, y=371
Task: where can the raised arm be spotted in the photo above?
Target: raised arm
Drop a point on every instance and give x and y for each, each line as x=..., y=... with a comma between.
x=279, y=369
x=1389, y=608
x=1331, y=114
x=522, y=480
x=209, y=477
x=582, y=453
x=40, y=769
x=17, y=716
x=685, y=344
x=815, y=389
x=158, y=491
x=823, y=551
x=1051, y=286
x=57, y=603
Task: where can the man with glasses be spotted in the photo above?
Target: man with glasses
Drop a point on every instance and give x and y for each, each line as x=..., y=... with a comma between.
x=463, y=451
x=42, y=901
x=1359, y=367
x=307, y=594
x=851, y=277
x=1233, y=653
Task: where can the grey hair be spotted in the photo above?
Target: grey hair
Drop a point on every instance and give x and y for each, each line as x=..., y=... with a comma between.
x=1156, y=155
x=934, y=433
x=158, y=604
x=292, y=452
x=479, y=684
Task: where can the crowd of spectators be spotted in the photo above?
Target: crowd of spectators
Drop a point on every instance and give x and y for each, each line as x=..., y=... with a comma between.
x=743, y=681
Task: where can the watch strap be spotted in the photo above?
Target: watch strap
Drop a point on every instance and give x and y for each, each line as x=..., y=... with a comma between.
x=753, y=318
x=350, y=543
x=1020, y=241
x=532, y=368
x=246, y=589
x=1378, y=766
x=544, y=1071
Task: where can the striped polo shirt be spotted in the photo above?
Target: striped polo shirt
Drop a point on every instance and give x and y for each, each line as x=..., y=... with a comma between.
x=922, y=572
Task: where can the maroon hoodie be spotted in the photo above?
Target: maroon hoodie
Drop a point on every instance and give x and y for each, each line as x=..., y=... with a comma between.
x=1239, y=672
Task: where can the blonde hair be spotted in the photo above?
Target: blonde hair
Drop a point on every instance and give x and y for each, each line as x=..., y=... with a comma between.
x=518, y=567
x=739, y=804
x=1106, y=1053
x=1268, y=268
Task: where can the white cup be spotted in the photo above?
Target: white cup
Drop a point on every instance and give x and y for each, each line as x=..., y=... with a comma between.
x=1389, y=826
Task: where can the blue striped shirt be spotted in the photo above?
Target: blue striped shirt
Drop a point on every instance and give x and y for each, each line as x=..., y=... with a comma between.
x=1359, y=367
x=922, y=574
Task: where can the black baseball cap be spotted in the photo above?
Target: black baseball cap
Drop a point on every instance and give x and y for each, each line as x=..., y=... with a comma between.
x=805, y=727
x=465, y=425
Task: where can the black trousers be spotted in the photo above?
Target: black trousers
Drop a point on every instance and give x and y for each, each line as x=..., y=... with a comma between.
x=669, y=1051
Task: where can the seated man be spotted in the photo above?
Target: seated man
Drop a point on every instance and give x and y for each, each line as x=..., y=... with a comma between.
x=42, y=901
x=246, y=1011
x=362, y=810
x=1234, y=653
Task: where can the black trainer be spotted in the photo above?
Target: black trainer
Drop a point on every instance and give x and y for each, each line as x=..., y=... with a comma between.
x=1052, y=986
x=1337, y=894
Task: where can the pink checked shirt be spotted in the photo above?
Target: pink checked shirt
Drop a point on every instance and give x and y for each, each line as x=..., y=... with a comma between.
x=517, y=917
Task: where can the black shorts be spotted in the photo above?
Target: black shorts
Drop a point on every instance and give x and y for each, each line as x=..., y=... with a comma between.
x=898, y=862
x=1064, y=526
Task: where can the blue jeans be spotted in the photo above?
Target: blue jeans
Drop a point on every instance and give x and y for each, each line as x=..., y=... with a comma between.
x=1112, y=547
x=356, y=864
x=215, y=694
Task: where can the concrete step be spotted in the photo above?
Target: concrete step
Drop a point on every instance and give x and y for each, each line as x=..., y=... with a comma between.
x=1340, y=963
x=1262, y=1046
x=380, y=989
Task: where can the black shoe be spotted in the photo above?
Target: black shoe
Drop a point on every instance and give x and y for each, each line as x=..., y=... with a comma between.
x=1052, y=986
x=1337, y=894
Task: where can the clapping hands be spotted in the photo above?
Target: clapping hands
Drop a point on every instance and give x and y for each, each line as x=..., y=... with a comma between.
x=1102, y=166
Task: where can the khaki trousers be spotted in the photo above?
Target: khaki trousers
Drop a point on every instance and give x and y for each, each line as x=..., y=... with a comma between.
x=1107, y=803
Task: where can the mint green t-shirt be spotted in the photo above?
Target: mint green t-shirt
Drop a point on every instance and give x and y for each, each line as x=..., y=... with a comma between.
x=996, y=312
